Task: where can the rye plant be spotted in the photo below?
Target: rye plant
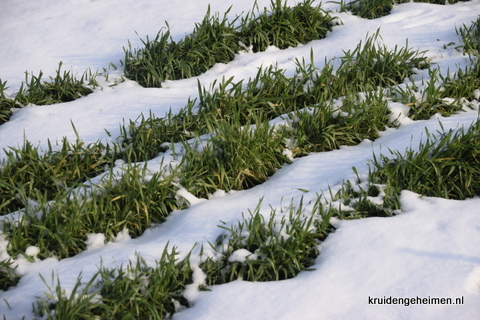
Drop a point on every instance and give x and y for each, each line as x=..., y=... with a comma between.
x=373, y=63
x=370, y=9
x=61, y=225
x=373, y=9
x=64, y=87
x=214, y=40
x=283, y=26
x=140, y=291
x=470, y=37
x=268, y=249
x=81, y=303
x=146, y=137
x=6, y=104
x=136, y=291
x=328, y=126
x=264, y=97
x=28, y=172
x=8, y=276
x=440, y=94
x=236, y=158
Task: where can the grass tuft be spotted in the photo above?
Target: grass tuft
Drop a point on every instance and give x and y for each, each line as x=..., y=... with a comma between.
x=268, y=250
x=235, y=158
x=6, y=104
x=283, y=26
x=64, y=87
x=471, y=37
x=137, y=291
x=8, y=277
x=373, y=9
x=446, y=166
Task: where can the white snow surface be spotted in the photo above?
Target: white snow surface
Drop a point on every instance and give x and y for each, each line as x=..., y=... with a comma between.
x=431, y=249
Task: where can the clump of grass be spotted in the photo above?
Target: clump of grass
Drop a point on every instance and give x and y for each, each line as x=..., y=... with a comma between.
x=61, y=227
x=441, y=2
x=64, y=87
x=144, y=139
x=143, y=292
x=362, y=199
x=471, y=37
x=371, y=62
x=268, y=250
x=445, y=95
x=81, y=303
x=6, y=104
x=266, y=96
x=446, y=167
x=214, y=40
x=137, y=291
x=370, y=9
x=373, y=9
x=283, y=26
x=464, y=83
x=235, y=158
x=348, y=122
x=8, y=277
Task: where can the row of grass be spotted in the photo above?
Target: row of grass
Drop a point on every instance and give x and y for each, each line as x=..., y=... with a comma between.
x=217, y=40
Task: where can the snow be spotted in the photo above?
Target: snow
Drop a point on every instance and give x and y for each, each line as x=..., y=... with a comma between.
x=429, y=250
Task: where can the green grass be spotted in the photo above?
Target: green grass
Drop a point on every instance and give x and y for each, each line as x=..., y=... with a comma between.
x=214, y=40
x=283, y=26
x=471, y=37
x=371, y=62
x=224, y=140
x=444, y=95
x=137, y=291
x=60, y=228
x=236, y=158
x=445, y=166
x=275, y=249
x=64, y=87
x=29, y=173
x=217, y=40
x=8, y=277
x=6, y=104
x=349, y=122
x=373, y=9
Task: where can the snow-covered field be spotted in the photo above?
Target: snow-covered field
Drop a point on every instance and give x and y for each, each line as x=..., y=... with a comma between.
x=430, y=250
